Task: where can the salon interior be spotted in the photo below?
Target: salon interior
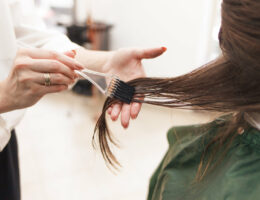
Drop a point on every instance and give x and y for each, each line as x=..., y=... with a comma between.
x=57, y=159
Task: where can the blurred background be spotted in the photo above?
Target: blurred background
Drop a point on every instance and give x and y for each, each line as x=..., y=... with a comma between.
x=56, y=155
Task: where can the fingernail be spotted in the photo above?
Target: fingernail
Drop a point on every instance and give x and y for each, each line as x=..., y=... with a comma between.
x=126, y=126
x=113, y=116
x=74, y=52
x=164, y=48
x=71, y=54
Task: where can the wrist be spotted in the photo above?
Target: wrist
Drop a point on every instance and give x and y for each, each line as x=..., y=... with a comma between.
x=94, y=60
x=4, y=102
x=105, y=68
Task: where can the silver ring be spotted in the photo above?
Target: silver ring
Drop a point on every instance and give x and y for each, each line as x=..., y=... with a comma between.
x=47, y=79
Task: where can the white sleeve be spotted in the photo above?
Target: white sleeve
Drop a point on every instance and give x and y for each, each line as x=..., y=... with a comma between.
x=4, y=134
x=31, y=31
x=8, y=121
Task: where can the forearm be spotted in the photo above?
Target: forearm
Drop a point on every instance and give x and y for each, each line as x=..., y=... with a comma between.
x=94, y=60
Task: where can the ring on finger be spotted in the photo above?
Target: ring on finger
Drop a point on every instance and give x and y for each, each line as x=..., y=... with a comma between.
x=47, y=79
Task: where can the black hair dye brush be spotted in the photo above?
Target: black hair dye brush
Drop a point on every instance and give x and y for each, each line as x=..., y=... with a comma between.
x=109, y=85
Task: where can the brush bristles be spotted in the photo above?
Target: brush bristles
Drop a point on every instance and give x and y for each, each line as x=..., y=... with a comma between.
x=120, y=90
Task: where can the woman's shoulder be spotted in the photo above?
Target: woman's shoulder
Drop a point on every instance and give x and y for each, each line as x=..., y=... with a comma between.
x=197, y=132
x=236, y=175
x=189, y=132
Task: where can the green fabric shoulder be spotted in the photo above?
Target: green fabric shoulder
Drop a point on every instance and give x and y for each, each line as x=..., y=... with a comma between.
x=236, y=177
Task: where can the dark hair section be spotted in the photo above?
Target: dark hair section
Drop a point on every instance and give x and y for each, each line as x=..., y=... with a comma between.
x=231, y=83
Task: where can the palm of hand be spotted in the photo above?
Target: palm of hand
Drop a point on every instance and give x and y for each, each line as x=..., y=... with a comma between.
x=127, y=65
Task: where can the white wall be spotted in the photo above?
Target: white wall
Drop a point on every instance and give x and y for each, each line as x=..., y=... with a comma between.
x=182, y=26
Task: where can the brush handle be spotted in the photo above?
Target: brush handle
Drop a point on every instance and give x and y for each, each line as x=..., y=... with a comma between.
x=82, y=74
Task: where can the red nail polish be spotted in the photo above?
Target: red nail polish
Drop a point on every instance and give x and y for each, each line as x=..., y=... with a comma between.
x=125, y=127
x=164, y=48
x=74, y=52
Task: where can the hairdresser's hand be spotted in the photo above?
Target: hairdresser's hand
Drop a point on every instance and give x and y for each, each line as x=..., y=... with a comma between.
x=25, y=84
x=127, y=64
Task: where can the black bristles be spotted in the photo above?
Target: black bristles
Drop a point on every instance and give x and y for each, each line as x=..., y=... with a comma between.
x=123, y=92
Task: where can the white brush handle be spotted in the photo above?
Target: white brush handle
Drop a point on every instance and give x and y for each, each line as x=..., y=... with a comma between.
x=81, y=73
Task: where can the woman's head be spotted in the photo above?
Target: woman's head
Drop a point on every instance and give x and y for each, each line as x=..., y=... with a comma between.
x=231, y=83
x=240, y=33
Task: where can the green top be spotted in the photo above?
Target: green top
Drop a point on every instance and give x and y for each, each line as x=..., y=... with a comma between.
x=237, y=177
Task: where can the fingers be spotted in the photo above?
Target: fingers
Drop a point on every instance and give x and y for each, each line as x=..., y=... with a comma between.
x=109, y=110
x=73, y=64
x=150, y=53
x=127, y=111
x=46, y=54
x=71, y=53
x=55, y=79
x=52, y=66
x=125, y=115
x=52, y=89
x=135, y=109
x=116, y=111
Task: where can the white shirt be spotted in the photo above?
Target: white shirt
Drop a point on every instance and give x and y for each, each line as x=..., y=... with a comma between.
x=21, y=28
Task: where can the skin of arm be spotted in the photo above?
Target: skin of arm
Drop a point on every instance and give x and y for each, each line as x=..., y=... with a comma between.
x=94, y=60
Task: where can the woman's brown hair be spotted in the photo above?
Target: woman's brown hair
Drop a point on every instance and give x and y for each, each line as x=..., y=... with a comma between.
x=231, y=83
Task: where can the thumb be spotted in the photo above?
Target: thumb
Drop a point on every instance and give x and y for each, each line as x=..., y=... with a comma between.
x=150, y=53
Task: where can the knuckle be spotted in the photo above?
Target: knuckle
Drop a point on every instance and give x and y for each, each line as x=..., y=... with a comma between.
x=22, y=51
x=24, y=79
x=19, y=52
x=59, y=78
x=34, y=91
x=55, y=66
x=54, y=54
x=21, y=63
